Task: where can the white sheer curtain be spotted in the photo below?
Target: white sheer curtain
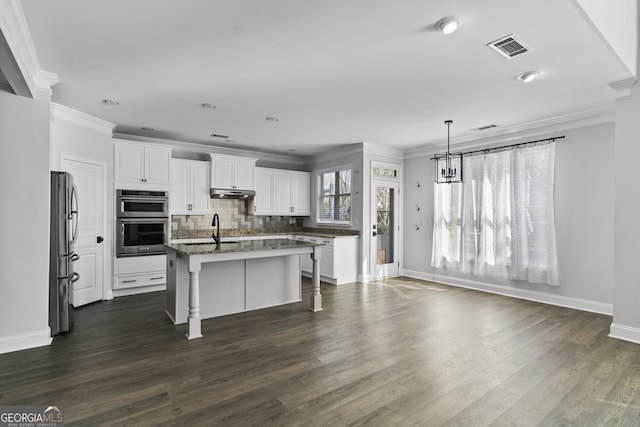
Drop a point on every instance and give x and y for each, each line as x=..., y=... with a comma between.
x=499, y=222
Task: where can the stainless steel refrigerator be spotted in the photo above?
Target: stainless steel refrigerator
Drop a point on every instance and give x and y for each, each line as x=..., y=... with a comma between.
x=64, y=233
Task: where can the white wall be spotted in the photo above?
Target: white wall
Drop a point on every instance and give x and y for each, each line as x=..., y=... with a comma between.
x=350, y=156
x=584, y=223
x=88, y=138
x=626, y=314
x=24, y=221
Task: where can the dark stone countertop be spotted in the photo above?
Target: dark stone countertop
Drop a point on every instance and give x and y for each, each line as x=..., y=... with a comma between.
x=318, y=232
x=243, y=246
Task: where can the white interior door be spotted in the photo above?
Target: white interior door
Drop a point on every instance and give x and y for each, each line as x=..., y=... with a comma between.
x=385, y=224
x=89, y=179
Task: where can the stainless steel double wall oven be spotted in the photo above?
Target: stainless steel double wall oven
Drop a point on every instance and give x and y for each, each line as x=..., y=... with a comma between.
x=142, y=222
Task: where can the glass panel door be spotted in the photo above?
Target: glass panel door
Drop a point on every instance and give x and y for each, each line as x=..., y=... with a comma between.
x=385, y=222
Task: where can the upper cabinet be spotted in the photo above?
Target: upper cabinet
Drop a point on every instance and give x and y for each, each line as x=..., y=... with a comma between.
x=189, y=187
x=139, y=165
x=282, y=192
x=263, y=201
x=232, y=172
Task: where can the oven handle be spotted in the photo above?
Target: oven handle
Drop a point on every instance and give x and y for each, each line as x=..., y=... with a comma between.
x=143, y=199
x=138, y=219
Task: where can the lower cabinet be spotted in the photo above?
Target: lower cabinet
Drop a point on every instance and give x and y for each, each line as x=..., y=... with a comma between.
x=139, y=274
x=338, y=259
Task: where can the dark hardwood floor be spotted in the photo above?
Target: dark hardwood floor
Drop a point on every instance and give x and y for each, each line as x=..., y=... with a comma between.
x=394, y=352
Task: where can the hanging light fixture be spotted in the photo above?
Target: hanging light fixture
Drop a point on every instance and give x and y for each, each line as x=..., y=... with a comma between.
x=447, y=166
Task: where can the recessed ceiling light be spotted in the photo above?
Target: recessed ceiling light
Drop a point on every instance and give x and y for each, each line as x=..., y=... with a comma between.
x=272, y=119
x=447, y=25
x=147, y=128
x=109, y=102
x=207, y=105
x=528, y=76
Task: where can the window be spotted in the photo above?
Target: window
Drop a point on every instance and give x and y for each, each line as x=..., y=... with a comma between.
x=385, y=171
x=499, y=222
x=334, y=205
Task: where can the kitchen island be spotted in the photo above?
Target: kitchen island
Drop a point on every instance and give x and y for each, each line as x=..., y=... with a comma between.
x=206, y=280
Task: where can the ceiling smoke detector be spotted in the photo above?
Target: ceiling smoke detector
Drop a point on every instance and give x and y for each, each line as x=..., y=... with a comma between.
x=509, y=46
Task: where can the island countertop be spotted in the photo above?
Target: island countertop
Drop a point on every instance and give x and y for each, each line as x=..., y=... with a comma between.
x=237, y=277
x=241, y=246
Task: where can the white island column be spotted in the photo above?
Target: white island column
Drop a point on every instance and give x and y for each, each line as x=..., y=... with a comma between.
x=316, y=298
x=194, y=323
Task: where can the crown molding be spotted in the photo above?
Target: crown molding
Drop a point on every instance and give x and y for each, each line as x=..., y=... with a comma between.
x=382, y=150
x=60, y=112
x=44, y=80
x=507, y=134
x=16, y=34
x=623, y=88
x=205, y=149
x=337, y=153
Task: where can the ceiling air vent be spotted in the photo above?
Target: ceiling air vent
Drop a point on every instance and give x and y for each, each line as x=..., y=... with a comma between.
x=486, y=127
x=217, y=135
x=509, y=46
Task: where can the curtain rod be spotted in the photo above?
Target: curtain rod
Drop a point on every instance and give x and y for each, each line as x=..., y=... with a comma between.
x=488, y=150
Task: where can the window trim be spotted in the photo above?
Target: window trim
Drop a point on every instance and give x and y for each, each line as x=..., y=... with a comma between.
x=319, y=196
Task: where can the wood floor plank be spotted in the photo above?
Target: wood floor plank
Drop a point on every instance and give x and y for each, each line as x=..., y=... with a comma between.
x=392, y=352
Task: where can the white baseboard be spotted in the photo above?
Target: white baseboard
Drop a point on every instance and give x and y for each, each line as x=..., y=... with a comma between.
x=25, y=341
x=543, y=297
x=626, y=333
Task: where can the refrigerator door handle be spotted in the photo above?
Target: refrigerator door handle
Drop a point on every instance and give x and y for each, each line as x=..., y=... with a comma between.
x=74, y=196
x=74, y=257
x=74, y=278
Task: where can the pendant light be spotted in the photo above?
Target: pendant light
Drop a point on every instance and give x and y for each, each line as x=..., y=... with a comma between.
x=447, y=166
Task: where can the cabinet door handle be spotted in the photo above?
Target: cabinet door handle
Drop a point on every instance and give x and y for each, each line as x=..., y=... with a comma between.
x=129, y=281
x=156, y=278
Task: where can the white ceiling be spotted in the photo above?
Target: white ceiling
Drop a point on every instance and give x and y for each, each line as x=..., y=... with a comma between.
x=332, y=72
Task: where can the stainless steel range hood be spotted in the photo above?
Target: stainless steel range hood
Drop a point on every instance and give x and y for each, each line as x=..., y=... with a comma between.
x=227, y=193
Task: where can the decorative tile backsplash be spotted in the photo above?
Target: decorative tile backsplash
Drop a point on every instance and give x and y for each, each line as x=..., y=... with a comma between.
x=233, y=215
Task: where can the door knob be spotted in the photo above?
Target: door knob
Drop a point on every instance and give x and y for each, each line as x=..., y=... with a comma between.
x=99, y=239
x=374, y=234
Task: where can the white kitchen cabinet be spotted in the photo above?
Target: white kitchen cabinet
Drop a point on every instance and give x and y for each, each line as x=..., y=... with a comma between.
x=140, y=165
x=189, y=187
x=288, y=192
x=139, y=274
x=232, y=172
x=282, y=203
x=338, y=258
x=263, y=201
x=301, y=193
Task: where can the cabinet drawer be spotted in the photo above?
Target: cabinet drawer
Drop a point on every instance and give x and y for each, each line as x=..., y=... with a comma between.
x=138, y=280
